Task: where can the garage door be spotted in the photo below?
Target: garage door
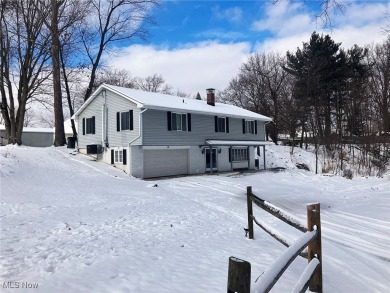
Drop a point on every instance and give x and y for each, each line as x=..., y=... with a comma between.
x=165, y=163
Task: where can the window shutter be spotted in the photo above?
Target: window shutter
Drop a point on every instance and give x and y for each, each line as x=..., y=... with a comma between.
x=93, y=125
x=112, y=156
x=256, y=127
x=124, y=157
x=230, y=154
x=118, y=121
x=227, y=124
x=169, y=120
x=216, y=123
x=243, y=126
x=189, y=121
x=131, y=120
x=83, y=126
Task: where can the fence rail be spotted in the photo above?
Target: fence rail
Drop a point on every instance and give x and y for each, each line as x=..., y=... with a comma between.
x=312, y=275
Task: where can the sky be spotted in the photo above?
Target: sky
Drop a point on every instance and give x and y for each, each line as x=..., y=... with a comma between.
x=201, y=44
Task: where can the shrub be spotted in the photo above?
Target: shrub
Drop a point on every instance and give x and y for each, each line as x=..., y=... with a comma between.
x=347, y=173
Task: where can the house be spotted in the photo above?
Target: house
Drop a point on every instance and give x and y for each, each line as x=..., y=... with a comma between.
x=151, y=134
x=35, y=137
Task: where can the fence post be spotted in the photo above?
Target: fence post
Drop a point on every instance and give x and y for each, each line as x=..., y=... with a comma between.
x=250, y=211
x=314, y=248
x=239, y=276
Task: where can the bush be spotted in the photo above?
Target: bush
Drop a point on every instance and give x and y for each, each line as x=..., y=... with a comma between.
x=348, y=174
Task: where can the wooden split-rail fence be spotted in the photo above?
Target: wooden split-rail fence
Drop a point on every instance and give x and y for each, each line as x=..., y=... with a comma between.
x=239, y=274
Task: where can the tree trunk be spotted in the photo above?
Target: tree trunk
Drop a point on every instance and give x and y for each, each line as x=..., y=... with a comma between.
x=68, y=97
x=59, y=135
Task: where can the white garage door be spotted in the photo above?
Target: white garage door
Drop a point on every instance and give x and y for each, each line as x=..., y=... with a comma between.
x=165, y=163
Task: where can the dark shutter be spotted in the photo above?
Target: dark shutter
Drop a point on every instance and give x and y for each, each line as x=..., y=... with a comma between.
x=230, y=154
x=124, y=157
x=169, y=120
x=256, y=127
x=189, y=121
x=216, y=123
x=131, y=120
x=112, y=156
x=118, y=121
x=243, y=126
x=83, y=126
x=93, y=125
x=227, y=124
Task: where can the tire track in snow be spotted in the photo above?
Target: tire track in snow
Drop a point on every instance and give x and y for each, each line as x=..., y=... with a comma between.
x=201, y=202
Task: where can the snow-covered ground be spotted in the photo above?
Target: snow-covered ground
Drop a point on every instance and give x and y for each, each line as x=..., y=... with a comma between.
x=71, y=224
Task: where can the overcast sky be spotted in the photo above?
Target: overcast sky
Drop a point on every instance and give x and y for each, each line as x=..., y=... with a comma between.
x=200, y=44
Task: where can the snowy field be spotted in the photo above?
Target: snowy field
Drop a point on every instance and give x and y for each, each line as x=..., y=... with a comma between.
x=70, y=224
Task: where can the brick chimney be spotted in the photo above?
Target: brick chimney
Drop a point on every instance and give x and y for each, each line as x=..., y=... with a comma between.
x=210, y=97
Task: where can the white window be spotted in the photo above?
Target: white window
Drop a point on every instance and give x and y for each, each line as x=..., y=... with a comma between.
x=250, y=126
x=179, y=122
x=118, y=156
x=239, y=154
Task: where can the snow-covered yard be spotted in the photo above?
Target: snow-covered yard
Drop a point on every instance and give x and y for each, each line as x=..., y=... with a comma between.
x=70, y=224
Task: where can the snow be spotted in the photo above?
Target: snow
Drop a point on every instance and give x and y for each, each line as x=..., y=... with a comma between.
x=279, y=265
x=160, y=101
x=32, y=129
x=71, y=224
x=306, y=275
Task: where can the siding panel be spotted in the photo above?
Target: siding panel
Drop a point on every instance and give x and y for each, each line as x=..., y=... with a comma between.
x=115, y=103
x=155, y=130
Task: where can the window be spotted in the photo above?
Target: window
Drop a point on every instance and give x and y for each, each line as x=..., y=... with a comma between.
x=221, y=124
x=249, y=126
x=89, y=125
x=239, y=154
x=124, y=120
x=179, y=122
x=118, y=156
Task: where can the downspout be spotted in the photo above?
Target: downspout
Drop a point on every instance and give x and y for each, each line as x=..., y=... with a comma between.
x=139, y=135
x=140, y=127
x=105, y=121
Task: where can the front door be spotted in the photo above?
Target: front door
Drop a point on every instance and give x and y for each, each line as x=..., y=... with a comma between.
x=211, y=160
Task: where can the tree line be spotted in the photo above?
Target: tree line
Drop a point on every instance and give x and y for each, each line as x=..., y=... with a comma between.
x=49, y=46
x=321, y=89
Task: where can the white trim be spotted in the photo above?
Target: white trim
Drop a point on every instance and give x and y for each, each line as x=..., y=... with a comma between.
x=238, y=142
x=165, y=147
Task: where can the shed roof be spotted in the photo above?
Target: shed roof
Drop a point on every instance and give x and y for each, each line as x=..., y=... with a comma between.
x=160, y=101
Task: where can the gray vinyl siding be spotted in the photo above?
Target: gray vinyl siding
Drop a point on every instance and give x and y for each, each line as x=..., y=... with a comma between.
x=155, y=130
x=93, y=109
x=115, y=103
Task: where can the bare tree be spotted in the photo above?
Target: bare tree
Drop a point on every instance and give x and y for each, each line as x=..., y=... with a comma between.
x=380, y=82
x=112, y=21
x=25, y=50
x=259, y=87
x=59, y=134
x=121, y=78
x=327, y=9
x=154, y=83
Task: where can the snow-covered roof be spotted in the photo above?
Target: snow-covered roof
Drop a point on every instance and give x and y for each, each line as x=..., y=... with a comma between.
x=68, y=126
x=160, y=101
x=32, y=129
